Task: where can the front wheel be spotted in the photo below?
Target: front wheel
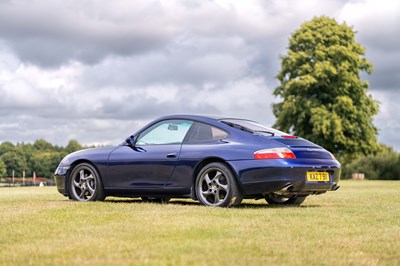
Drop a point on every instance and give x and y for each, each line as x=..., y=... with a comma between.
x=85, y=183
x=216, y=186
x=281, y=200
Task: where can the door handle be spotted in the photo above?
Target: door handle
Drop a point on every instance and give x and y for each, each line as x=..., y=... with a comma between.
x=172, y=155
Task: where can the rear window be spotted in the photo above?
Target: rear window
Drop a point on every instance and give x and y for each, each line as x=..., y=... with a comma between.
x=253, y=127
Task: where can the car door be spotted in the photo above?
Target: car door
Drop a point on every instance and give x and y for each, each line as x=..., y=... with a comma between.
x=202, y=141
x=152, y=160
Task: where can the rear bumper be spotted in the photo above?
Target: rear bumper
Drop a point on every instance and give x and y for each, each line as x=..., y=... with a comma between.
x=260, y=177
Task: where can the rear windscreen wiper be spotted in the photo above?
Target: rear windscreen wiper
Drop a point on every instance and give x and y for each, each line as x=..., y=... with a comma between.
x=264, y=131
x=247, y=129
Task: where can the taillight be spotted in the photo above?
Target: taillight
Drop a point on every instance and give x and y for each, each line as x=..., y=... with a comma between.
x=274, y=153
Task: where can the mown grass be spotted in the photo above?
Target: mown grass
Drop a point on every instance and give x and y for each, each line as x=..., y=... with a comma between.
x=357, y=225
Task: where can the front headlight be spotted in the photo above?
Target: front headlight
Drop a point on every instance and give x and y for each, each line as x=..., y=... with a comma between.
x=62, y=169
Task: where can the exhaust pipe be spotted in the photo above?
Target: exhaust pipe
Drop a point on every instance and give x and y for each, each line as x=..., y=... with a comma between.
x=335, y=187
x=287, y=188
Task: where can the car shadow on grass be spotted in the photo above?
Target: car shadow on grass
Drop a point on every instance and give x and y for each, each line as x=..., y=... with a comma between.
x=267, y=206
x=177, y=202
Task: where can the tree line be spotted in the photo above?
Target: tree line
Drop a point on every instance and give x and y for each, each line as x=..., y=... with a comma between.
x=40, y=157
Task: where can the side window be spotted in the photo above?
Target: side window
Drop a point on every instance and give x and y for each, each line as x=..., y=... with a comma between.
x=165, y=132
x=204, y=133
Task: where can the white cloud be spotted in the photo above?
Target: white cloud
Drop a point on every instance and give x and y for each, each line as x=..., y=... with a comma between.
x=387, y=120
x=376, y=21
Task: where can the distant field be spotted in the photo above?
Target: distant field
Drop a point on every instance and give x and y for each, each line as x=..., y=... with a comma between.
x=357, y=225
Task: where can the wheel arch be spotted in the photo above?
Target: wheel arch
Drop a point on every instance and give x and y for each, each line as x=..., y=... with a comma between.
x=73, y=165
x=206, y=161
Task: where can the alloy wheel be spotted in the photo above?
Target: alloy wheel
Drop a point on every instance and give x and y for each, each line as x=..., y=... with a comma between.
x=213, y=186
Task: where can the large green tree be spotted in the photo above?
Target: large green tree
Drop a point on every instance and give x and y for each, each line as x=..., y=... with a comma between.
x=324, y=98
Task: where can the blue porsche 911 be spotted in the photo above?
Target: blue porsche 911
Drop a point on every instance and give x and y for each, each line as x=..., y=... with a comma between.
x=215, y=160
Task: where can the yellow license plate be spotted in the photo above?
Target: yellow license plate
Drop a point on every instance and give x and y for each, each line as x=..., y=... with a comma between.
x=318, y=177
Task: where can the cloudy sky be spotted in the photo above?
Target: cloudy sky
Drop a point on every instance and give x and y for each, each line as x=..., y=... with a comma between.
x=96, y=71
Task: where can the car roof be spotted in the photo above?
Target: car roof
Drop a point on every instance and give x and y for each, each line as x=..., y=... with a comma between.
x=199, y=117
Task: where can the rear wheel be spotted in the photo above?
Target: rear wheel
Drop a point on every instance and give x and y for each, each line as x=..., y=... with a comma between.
x=216, y=186
x=274, y=199
x=85, y=183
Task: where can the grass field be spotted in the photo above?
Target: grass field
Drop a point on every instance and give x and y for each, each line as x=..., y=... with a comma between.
x=357, y=225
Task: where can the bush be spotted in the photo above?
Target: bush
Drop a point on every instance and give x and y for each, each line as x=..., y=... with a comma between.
x=384, y=166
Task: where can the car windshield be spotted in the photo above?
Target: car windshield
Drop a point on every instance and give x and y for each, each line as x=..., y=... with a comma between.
x=253, y=127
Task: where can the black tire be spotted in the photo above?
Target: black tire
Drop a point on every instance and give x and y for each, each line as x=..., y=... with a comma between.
x=216, y=186
x=280, y=200
x=85, y=183
x=163, y=200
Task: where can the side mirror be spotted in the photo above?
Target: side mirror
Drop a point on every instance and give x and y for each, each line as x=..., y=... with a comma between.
x=130, y=141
